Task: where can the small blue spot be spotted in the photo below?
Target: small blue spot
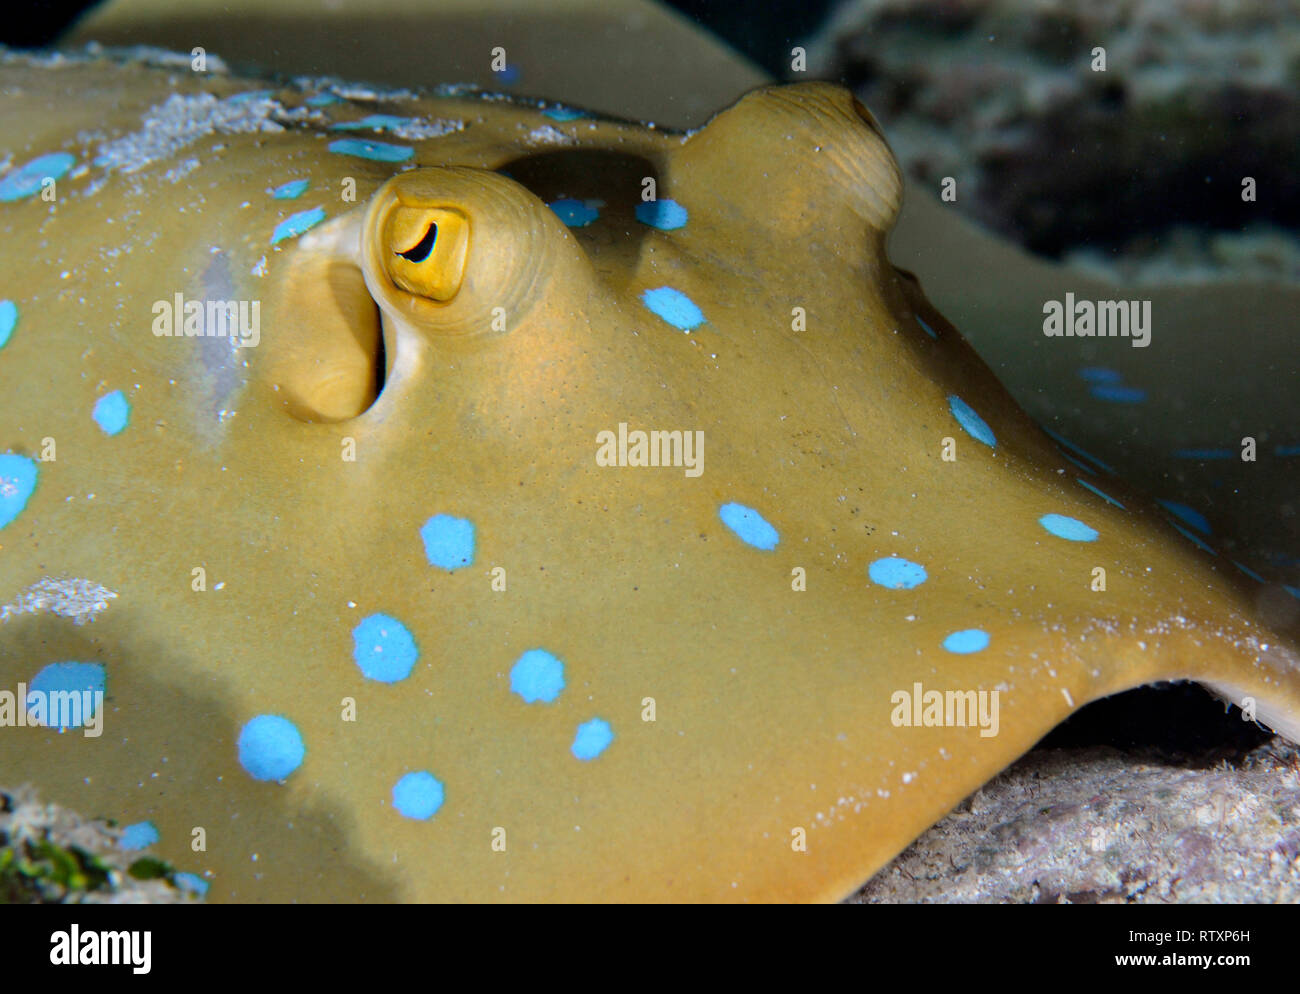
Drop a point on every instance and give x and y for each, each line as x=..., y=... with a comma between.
x=1066, y=443
x=928, y=330
x=1205, y=454
x=972, y=422
x=295, y=224
x=448, y=541
x=1281, y=450
x=592, y=739
x=112, y=412
x=323, y=100
x=1105, y=497
x=1070, y=529
x=67, y=678
x=1193, y=517
x=373, y=150
x=574, y=213
x=666, y=215
x=292, y=190
x=17, y=481
x=537, y=676
x=896, y=573
x=1077, y=462
x=249, y=96
x=674, y=307
x=270, y=747
x=1099, y=374
x=1249, y=572
x=26, y=180
x=1293, y=591
x=384, y=649
x=141, y=835
x=970, y=640
x=374, y=122
x=8, y=320
x=509, y=75
x=1118, y=394
x=418, y=795
x=192, y=883
x=1193, y=537
x=750, y=526
x=564, y=113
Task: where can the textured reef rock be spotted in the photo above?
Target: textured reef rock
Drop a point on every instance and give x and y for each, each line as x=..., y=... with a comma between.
x=1003, y=97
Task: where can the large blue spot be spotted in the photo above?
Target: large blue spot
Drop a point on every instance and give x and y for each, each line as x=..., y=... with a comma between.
x=896, y=573
x=1118, y=394
x=972, y=422
x=112, y=412
x=1068, y=528
x=8, y=320
x=384, y=649
x=448, y=541
x=26, y=180
x=191, y=882
x=574, y=213
x=375, y=151
x=418, y=795
x=295, y=224
x=969, y=640
x=1193, y=537
x=141, y=835
x=666, y=215
x=592, y=739
x=749, y=526
x=537, y=676
x=17, y=481
x=375, y=122
x=67, y=678
x=270, y=747
x=1190, y=515
x=1293, y=591
x=1103, y=496
x=1100, y=374
x=292, y=190
x=674, y=307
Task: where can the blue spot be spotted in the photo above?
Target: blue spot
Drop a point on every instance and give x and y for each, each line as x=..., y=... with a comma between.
x=1193, y=538
x=1193, y=517
x=749, y=526
x=928, y=330
x=1105, y=497
x=112, y=412
x=1118, y=394
x=248, y=96
x=972, y=422
x=896, y=573
x=192, y=883
x=448, y=541
x=1099, y=374
x=674, y=307
x=564, y=113
x=666, y=215
x=509, y=75
x=384, y=649
x=26, y=180
x=970, y=640
x=270, y=747
x=1293, y=591
x=375, y=151
x=418, y=795
x=376, y=122
x=323, y=100
x=17, y=481
x=8, y=319
x=67, y=678
x=292, y=190
x=574, y=213
x=1205, y=454
x=537, y=676
x=141, y=835
x=1078, y=462
x=592, y=739
x=1070, y=529
x=1249, y=572
x=1066, y=443
x=295, y=224
x=1281, y=450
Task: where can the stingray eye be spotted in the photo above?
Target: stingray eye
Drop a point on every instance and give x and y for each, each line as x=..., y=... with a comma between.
x=427, y=249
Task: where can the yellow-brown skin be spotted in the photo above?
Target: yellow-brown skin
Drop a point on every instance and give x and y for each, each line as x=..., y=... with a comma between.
x=773, y=705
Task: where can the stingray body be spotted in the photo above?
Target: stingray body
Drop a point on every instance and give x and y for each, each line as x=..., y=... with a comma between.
x=402, y=609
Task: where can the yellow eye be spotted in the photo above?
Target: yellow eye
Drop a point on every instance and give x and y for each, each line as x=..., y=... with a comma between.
x=427, y=248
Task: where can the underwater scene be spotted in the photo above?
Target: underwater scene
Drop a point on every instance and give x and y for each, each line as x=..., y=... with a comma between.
x=635, y=452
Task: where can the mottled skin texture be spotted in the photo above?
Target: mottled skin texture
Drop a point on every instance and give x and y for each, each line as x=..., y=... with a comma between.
x=772, y=704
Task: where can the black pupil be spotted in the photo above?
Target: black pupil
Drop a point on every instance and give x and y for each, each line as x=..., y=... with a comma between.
x=420, y=251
